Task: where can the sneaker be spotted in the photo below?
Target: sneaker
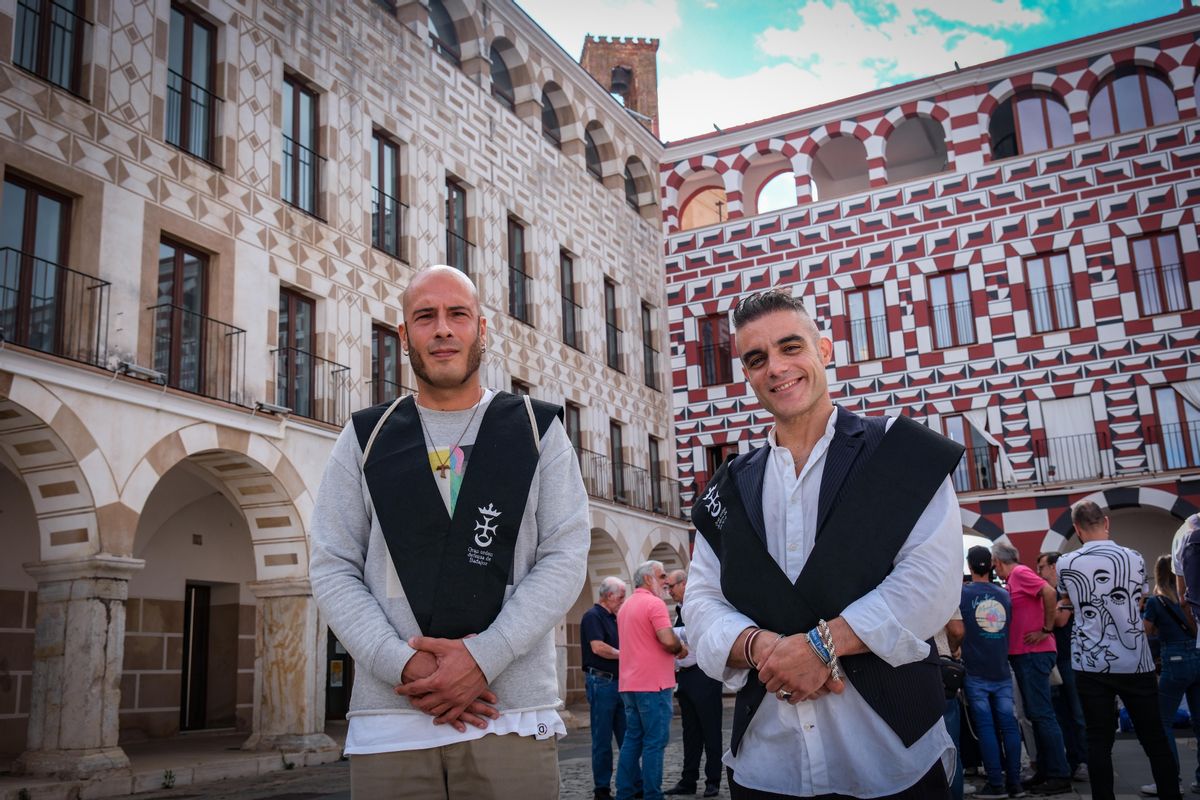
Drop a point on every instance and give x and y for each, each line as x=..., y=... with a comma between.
x=1081, y=773
x=1015, y=790
x=1052, y=786
x=1195, y=787
x=992, y=791
x=1148, y=790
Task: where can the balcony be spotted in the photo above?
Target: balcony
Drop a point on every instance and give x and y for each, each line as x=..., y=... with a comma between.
x=869, y=338
x=383, y=391
x=199, y=354
x=650, y=367
x=50, y=45
x=628, y=485
x=51, y=308
x=191, y=117
x=953, y=324
x=1081, y=457
x=387, y=223
x=978, y=471
x=311, y=386
x=302, y=169
x=1172, y=447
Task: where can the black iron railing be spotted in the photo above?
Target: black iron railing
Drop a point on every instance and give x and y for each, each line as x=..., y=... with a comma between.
x=623, y=483
x=52, y=308
x=302, y=169
x=954, y=324
x=869, y=338
x=650, y=366
x=1175, y=446
x=312, y=386
x=1053, y=307
x=191, y=117
x=612, y=346
x=978, y=470
x=199, y=354
x=571, y=312
x=48, y=42
x=384, y=391
x=387, y=222
x=1162, y=288
x=716, y=364
x=1080, y=457
x=458, y=251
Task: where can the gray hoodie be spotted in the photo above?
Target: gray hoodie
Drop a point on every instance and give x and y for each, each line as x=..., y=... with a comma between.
x=363, y=601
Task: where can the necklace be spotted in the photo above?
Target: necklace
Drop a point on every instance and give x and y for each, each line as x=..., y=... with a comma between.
x=445, y=465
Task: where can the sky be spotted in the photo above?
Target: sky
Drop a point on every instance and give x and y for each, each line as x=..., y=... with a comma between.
x=729, y=62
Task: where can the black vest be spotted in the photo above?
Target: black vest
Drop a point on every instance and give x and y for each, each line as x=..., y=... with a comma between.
x=841, y=567
x=454, y=570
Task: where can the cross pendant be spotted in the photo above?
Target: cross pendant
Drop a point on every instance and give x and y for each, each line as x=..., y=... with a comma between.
x=442, y=469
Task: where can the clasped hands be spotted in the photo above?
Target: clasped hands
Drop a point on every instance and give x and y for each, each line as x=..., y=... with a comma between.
x=443, y=680
x=789, y=665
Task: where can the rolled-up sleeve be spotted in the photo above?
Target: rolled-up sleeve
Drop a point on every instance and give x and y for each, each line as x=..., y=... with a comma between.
x=713, y=624
x=896, y=619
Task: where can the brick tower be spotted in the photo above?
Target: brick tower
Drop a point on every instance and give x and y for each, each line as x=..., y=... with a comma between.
x=627, y=67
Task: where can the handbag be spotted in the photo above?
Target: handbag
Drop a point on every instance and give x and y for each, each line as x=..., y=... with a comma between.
x=954, y=672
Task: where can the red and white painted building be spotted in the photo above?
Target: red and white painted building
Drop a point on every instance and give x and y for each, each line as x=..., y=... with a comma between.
x=1007, y=253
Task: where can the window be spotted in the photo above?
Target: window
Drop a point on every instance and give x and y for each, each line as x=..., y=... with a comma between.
x=591, y=156
x=191, y=73
x=33, y=234
x=1131, y=99
x=656, y=488
x=631, y=191
x=975, y=471
x=550, y=125
x=385, y=365
x=950, y=298
x=612, y=338
x=616, y=456
x=571, y=421
x=649, y=351
x=518, y=278
x=1179, y=429
x=714, y=457
x=502, y=85
x=868, y=324
x=295, y=365
x=1029, y=123
x=1051, y=296
x=457, y=246
x=442, y=34
x=387, y=217
x=179, y=340
x=520, y=387
x=1159, y=273
x=570, y=308
x=301, y=163
x=48, y=40
x=716, y=363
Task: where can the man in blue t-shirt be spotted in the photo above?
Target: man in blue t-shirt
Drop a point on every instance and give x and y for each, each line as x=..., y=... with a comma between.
x=986, y=610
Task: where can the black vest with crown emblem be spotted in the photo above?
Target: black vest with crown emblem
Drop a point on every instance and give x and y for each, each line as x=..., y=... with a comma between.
x=874, y=487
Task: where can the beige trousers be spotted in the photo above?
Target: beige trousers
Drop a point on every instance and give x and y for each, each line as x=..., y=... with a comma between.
x=491, y=768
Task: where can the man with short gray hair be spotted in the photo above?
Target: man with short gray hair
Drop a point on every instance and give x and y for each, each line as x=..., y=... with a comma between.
x=648, y=647
x=600, y=643
x=1032, y=653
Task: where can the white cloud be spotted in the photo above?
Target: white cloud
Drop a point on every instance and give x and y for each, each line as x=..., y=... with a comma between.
x=569, y=22
x=990, y=14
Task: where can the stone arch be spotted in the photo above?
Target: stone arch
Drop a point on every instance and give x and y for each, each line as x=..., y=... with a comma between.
x=646, y=188
x=1118, y=498
x=261, y=482
x=1141, y=56
x=921, y=109
x=840, y=163
x=515, y=55
x=979, y=524
x=69, y=482
x=1034, y=81
x=757, y=165
x=606, y=556
x=553, y=93
x=671, y=555
x=610, y=165
x=464, y=14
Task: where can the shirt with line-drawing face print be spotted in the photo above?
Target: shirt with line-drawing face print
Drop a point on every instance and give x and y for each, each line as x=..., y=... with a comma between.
x=1105, y=582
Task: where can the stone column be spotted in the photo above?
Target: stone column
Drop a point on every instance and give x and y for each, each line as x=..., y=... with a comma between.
x=78, y=649
x=289, y=669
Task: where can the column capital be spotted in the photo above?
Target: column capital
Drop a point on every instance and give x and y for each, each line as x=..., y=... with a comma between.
x=283, y=587
x=101, y=565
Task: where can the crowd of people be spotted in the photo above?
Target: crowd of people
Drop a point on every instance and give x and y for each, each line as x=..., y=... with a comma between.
x=1075, y=637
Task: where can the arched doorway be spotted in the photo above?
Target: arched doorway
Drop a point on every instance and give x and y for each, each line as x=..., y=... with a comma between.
x=605, y=557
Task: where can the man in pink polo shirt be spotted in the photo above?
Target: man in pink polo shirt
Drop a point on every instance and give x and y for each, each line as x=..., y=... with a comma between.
x=1032, y=653
x=647, y=676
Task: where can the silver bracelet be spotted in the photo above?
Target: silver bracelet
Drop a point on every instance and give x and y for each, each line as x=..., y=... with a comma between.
x=835, y=666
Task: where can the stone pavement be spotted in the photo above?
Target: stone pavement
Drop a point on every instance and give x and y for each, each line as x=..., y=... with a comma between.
x=213, y=767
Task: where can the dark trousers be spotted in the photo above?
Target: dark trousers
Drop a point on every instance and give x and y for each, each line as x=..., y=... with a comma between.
x=1138, y=691
x=699, y=699
x=931, y=787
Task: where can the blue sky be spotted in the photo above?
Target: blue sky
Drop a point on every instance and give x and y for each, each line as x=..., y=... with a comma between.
x=727, y=62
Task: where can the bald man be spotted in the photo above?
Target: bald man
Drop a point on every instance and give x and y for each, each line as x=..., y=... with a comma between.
x=450, y=536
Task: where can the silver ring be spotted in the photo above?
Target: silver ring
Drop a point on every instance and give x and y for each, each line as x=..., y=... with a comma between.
x=783, y=695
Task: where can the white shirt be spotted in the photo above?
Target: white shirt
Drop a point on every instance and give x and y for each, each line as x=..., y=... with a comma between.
x=836, y=744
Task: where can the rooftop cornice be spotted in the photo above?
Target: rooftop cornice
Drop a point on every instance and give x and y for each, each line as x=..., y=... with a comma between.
x=881, y=100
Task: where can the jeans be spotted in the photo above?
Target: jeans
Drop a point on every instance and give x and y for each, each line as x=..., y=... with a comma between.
x=991, y=702
x=1180, y=676
x=1138, y=691
x=607, y=720
x=1033, y=679
x=647, y=727
x=952, y=716
x=1070, y=716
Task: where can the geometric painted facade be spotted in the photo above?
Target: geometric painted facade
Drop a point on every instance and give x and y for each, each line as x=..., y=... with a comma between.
x=1016, y=301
